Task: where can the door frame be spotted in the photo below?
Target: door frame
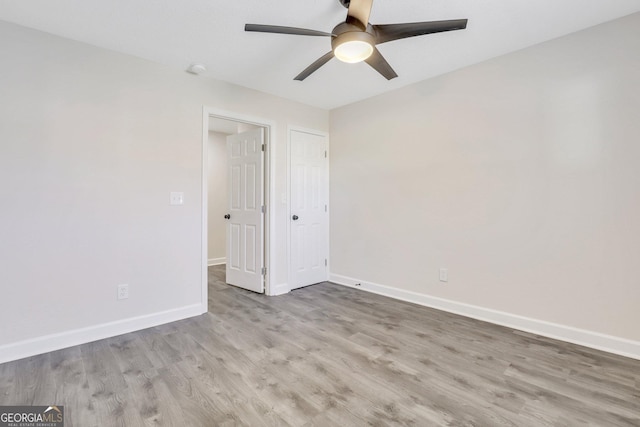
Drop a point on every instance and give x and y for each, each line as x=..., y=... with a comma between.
x=269, y=192
x=291, y=128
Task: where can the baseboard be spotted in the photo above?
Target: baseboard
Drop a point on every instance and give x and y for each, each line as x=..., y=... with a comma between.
x=596, y=340
x=216, y=261
x=62, y=340
x=279, y=289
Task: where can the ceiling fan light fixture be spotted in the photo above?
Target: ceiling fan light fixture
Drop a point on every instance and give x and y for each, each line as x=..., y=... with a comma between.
x=355, y=39
x=353, y=51
x=352, y=46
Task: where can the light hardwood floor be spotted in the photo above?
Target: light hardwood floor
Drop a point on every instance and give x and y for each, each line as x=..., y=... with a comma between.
x=322, y=356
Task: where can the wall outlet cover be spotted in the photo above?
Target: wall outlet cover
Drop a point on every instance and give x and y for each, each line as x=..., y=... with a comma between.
x=444, y=275
x=123, y=292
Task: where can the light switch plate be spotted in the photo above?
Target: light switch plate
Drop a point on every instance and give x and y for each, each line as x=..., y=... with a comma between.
x=176, y=198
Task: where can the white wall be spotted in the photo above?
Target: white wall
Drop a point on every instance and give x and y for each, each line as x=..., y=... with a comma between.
x=521, y=175
x=217, y=189
x=91, y=144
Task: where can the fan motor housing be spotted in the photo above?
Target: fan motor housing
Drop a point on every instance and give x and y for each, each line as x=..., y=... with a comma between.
x=346, y=32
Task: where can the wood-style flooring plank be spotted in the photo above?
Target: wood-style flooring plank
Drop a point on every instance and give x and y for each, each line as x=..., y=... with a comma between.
x=327, y=355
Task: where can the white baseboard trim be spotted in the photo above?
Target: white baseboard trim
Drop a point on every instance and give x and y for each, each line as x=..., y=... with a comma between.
x=58, y=341
x=279, y=289
x=596, y=340
x=216, y=261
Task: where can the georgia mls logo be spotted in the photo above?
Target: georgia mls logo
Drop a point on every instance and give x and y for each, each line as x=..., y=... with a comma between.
x=31, y=416
x=56, y=411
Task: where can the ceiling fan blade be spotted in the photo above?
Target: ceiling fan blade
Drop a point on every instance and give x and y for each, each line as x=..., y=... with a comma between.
x=284, y=30
x=313, y=67
x=378, y=63
x=359, y=11
x=387, y=33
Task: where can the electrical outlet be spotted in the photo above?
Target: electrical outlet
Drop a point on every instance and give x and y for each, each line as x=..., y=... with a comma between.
x=123, y=291
x=444, y=275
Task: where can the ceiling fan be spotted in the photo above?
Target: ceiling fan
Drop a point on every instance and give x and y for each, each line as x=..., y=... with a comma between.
x=355, y=39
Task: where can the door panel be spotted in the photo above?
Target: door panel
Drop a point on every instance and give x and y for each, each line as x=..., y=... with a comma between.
x=244, y=201
x=309, y=195
x=234, y=249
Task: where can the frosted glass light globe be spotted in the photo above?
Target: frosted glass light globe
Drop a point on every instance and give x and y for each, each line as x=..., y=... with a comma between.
x=353, y=51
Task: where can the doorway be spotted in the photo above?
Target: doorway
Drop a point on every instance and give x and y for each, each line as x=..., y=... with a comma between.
x=227, y=230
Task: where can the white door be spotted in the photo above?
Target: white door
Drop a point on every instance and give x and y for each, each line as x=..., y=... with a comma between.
x=245, y=214
x=309, y=213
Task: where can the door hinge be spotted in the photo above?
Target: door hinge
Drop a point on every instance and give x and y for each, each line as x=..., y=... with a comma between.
x=325, y=208
x=263, y=209
x=325, y=154
x=263, y=147
x=264, y=271
x=325, y=262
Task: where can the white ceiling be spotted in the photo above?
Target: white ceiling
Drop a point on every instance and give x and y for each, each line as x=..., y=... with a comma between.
x=178, y=33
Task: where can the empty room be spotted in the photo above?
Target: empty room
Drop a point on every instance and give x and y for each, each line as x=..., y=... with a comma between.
x=320, y=213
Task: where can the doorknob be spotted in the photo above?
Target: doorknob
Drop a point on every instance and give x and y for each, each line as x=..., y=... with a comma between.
x=295, y=217
x=227, y=216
